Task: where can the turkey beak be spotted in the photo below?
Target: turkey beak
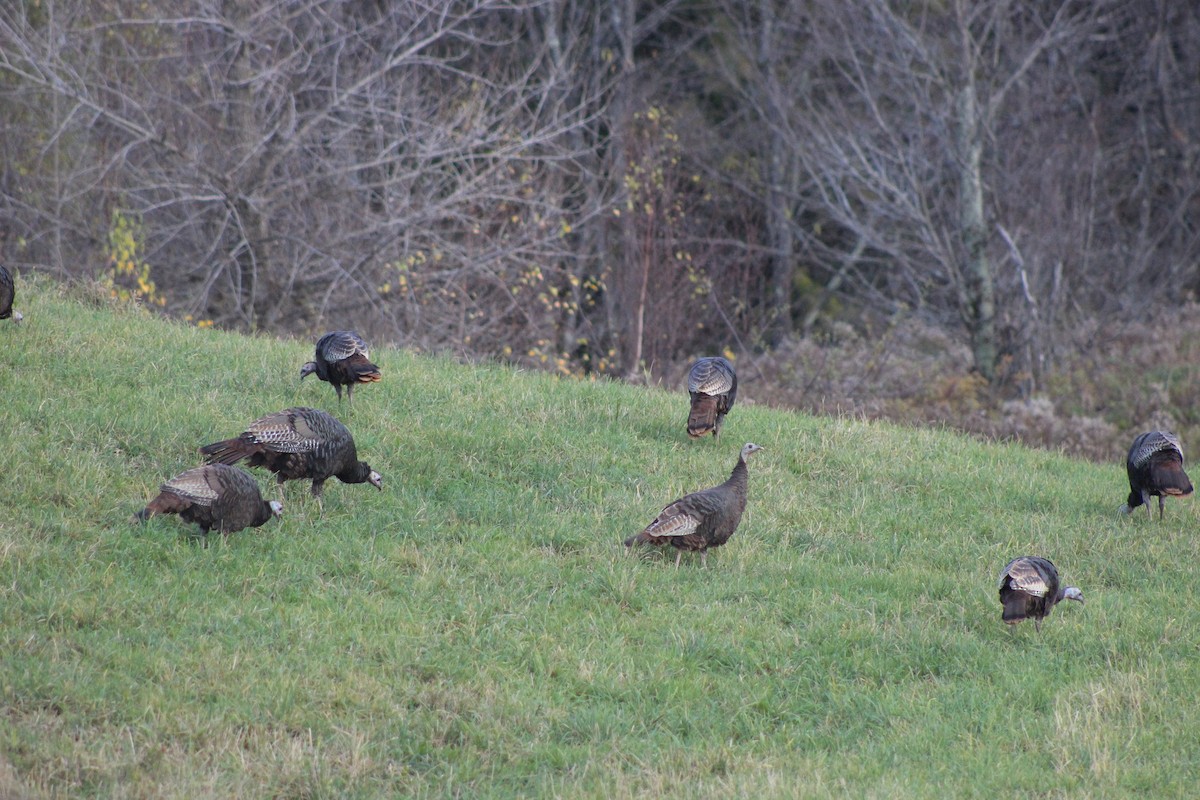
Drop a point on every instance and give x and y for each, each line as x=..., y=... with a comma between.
x=376, y=480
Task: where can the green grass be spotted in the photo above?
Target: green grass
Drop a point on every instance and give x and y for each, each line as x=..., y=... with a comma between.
x=475, y=630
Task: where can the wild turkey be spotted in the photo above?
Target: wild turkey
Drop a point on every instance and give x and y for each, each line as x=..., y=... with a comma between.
x=1155, y=467
x=7, y=292
x=712, y=383
x=295, y=444
x=702, y=519
x=215, y=496
x=1029, y=589
x=342, y=359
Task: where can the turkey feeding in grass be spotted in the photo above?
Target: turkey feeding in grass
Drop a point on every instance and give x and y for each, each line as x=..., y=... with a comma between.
x=1030, y=588
x=297, y=444
x=8, y=292
x=213, y=496
x=712, y=385
x=1155, y=469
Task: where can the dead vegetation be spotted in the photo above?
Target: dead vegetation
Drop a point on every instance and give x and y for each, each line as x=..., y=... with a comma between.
x=1122, y=378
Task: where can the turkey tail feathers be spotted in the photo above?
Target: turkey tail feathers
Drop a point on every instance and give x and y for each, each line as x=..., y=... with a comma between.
x=1172, y=480
x=363, y=371
x=1014, y=610
x=164, y=503
x=703, y=417
x=230, y=451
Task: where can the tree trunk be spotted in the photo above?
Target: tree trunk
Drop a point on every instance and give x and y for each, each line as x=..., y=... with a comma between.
x=978, y=292
x=779, y=180
x=630, y=257
x=250, y=258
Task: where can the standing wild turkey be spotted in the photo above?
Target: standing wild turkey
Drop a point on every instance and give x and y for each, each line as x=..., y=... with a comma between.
x=295, y=444
x=1029, y=588
x=1155, y=467
x=7, y=292
x=712, y=383
x=342, y=359
x=215, y=496
x=702, y=519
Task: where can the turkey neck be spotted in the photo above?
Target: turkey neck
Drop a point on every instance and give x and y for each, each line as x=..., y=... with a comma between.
x=264, y=513
x=729, y=513
x=738, y=480
x=358, y=472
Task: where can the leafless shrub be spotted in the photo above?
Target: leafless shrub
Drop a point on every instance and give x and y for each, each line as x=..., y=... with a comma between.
x=1145, y=376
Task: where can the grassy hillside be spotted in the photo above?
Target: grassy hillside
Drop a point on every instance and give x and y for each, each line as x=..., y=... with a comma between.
x=475, y=630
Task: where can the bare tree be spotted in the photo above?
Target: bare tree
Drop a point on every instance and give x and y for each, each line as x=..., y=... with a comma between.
x=610, y=186
x=893, y=115
x=404, y=167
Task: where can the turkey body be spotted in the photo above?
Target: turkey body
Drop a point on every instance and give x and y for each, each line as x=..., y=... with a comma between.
x=703, y=519
x=213, y=496
x=342, y=360
x=7, y=292
x=297, y=444
x=1155, y=468
x=712, y=384
x=1030, y=588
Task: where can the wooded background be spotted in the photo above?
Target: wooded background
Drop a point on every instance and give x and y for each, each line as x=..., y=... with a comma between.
x=616, y=187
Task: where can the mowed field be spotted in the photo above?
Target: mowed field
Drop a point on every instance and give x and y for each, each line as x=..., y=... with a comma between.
x=477, y=630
